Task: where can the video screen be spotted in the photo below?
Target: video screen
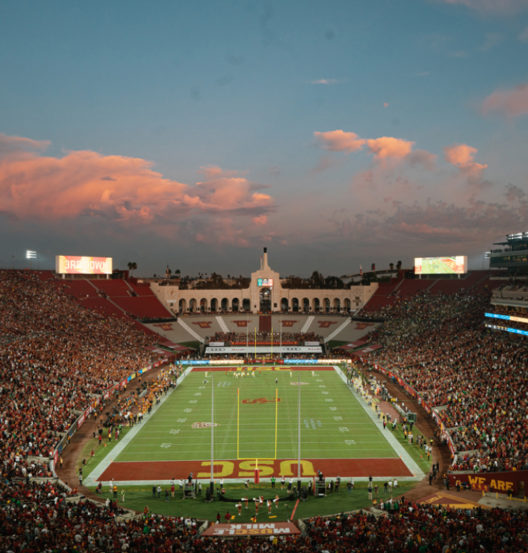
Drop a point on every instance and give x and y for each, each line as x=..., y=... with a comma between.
x=440, y=265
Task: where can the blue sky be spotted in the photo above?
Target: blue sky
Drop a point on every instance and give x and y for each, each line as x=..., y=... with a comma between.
x=194, y=133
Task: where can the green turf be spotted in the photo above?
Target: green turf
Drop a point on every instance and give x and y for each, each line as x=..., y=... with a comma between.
x=333, y=424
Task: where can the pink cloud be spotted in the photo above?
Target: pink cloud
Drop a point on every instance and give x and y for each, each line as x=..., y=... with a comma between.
x=125, y=189
x=461, y=156
x=340, y=141
x=512, y=102
x=389, y=147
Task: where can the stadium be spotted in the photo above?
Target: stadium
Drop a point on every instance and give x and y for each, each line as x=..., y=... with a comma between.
x=383, y=412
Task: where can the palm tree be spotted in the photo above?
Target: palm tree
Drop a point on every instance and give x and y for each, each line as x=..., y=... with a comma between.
x=132, y=266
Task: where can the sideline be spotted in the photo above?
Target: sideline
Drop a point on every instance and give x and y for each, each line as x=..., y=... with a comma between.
x=91, y=479
x=387, y=434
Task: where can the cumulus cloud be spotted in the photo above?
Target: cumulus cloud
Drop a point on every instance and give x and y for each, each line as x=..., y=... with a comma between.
x=382, y=147
x=512, y=103
x=462, y=156
x=119, y=188
x=340, y=141
x=389, y=147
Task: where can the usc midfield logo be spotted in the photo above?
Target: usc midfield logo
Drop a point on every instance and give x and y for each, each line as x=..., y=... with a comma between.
x=246, y=468
x=259, y=400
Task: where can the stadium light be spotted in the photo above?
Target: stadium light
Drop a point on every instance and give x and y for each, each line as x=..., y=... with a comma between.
x=31, y=254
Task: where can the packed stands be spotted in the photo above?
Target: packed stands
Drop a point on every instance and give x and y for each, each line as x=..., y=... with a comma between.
x=473, y=377
x=40, y=518
x=56, y=356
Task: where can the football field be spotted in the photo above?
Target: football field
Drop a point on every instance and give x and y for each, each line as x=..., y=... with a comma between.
x=282, y=421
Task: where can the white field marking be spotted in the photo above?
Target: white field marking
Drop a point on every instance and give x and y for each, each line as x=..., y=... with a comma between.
x=332, y=408
x=91, y=479
x=155, y=436
x=329, y=399
x=193, y=401
x=182, y=420
x=256, y=447
x=174, y=431
x=387, y=434
x=312, y=423
x=258, y=443
x=187, y=410
x=198, y=394
x=201, y=387
x=338, y=418
x=325, y=392
x=350, y=442
x=166, y=445
x=344, y=429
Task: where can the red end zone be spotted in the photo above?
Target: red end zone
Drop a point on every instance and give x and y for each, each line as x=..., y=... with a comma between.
x=166, y=470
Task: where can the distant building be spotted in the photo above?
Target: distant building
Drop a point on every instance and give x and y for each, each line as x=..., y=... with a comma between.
x=265, y=294
x=512, y=255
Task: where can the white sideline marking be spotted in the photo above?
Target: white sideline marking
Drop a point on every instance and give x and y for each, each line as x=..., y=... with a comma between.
x=91, y=479
x=387, y=434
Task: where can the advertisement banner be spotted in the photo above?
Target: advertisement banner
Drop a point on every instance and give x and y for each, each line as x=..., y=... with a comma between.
x=255, y=529
x=501, y=482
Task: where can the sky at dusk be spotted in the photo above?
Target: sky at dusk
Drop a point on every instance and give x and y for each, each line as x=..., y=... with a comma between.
x=336, y=133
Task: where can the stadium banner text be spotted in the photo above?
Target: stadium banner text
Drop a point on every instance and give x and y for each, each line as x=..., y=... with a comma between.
x=83, y=265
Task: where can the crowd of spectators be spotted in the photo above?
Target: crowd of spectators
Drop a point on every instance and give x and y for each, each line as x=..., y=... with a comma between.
x=56, y=359
x=37, y=518
x=473, y=376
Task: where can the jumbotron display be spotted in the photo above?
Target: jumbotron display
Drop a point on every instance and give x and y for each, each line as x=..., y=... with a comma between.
x=440, y=265
x=83, y=265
